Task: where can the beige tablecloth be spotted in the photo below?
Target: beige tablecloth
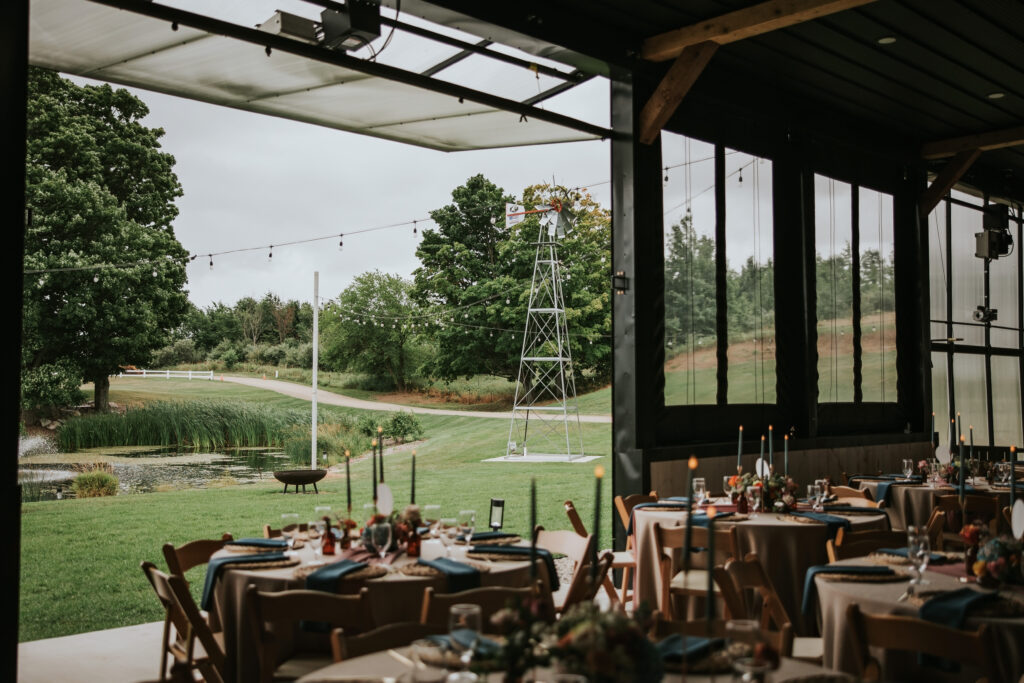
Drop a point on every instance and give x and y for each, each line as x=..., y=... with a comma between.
x=394, y=597
x=381, y=665
x=881, y=598
x=785, y=548
x=912, y=505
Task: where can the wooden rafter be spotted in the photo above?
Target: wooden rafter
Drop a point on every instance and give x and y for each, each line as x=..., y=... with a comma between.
x=673, y=88
x=996, y=139
x=943, y=183
x=741, y=24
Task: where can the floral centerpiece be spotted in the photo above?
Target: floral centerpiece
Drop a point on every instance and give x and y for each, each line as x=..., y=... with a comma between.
x=605, y=646
x=524, y=626
x=999, y=562
x=402, y=525
x=778, y=491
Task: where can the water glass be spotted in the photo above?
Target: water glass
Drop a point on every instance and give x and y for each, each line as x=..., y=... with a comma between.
x=726, y=489
x=315, y=531
x=814, y=494
x=380, y=534
x=821, y=485
x=700, y=490
x=289, y=528
x=908, y=467
x=448, y=528
x=467, y=524
x=464, y=621
x=323, y=511
x=918, y=552
x=754, y=500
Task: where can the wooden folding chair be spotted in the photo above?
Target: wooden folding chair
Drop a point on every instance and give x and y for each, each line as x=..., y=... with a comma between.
x=384, y=638
x=180, y=610
x=491, y=599
x=859, y=495
x=860, y=543
x=572, y=545
x=270, y=612
x=695, y=581
x=620, y=560
x=950, y=516
x=192, y=554
x=624, y=506
x=781, y=641
x=584, y=586
x=749, y=575
x=910, y=634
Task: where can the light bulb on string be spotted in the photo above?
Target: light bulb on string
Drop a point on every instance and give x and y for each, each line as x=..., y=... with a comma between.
x=341, y=241
x=154, y=272
x=211, y=261
x=95, y=278
x=741, y=174
x=270, y=255
x=414, y=227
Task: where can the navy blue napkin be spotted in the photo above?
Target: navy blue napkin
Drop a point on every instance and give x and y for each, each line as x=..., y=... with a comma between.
x=833, y=522
x=678, y=649
x=464, y=637
x=275, y=543
x=326, y=578
x=217, y=564
x=882, y=493
x=519, y=552
x=933, y=558
x=461, y=576
x=950, y=609
x=811, y=590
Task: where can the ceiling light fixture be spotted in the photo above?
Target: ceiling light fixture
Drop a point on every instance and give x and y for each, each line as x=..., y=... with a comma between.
x=887, y=40
x=996, y=95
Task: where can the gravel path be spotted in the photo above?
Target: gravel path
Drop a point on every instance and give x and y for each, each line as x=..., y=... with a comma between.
x=330, y=398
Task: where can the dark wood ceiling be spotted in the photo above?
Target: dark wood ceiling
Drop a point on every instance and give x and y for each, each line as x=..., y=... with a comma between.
x=932, y=83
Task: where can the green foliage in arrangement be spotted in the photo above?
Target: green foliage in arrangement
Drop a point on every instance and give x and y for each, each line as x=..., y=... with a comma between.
x=94, y=484
x=196, y=425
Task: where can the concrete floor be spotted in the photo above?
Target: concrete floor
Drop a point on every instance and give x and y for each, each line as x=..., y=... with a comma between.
x=120, y=655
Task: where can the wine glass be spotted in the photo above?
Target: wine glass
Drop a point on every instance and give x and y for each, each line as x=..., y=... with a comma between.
x=467, y=524
x=315, y=531
x=289, y=528
x=464, y=630
x=754, y=500
x=726, y=492
x=700, y=490
x=432, y=516
x=448, y=529
x=821, y=486
x=814, y=494
x=908, y=467
x=918, y=552
x=380, y=535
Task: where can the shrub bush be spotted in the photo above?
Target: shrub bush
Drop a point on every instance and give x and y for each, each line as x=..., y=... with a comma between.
x=181, y=352
x=94, y=484
x=299, y=356
x=51, y=386
x=403, y=426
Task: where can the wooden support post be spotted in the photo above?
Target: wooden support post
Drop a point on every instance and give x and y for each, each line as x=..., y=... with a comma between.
x=673, y=88
x=950, y=173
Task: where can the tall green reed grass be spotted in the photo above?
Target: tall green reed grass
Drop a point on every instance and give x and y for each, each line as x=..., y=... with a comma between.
x=206, y=425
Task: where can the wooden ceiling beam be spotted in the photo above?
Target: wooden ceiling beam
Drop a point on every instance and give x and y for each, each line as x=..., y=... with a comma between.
x=946, y=179
x=996, y=139
x=673, y=88
x=741, y=24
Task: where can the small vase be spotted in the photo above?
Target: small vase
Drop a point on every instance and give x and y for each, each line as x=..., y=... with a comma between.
x=741, y=504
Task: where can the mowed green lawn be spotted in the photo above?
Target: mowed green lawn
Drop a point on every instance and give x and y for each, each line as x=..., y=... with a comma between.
x=80, y=558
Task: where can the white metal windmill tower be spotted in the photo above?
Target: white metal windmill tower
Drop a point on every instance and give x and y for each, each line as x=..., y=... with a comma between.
x=545, y=412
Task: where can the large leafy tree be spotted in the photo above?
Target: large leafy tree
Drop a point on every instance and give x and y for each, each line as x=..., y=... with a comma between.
x=475, y=275
x=105, y=274
x=366, y=329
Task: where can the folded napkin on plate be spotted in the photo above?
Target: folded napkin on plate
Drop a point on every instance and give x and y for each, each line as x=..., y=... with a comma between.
x=488, y=536
x=519, y=552
x=678, y=649
x=461, y=576
x=950, y=609
x=811, y=590
x=274, y=543
x=217, y=564
x=933, y=558
x=485, y=648
x=326, y=579
x=833, y=522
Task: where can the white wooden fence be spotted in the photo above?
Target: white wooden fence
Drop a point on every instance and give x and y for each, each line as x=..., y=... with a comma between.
x=167, y=374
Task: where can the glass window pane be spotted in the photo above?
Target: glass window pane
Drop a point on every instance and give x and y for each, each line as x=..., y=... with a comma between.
x=937, y=275
x=691, y=363
x=968, y=273
x=940, y=397
x=969, y=388
x=832, y=235
x=1003, y=278
x=1006, y=407
x=751, y=299
x=877, y=297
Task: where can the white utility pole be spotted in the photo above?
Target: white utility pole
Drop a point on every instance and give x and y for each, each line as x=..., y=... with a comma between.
x=316, y=358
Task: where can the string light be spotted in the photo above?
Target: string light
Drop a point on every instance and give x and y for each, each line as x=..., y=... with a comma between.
x=270, y=256
x=211, y=261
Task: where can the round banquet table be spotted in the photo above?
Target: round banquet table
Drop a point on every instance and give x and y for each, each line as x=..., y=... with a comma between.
x=881, y=598
x=912, y=504
x=382, y=667
x=393, y=597
x=785, y=548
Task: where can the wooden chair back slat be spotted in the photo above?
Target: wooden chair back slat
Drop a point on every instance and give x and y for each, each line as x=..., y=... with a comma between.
x=192, y=554
x=384, y=638
x=748, y=574
x=862, y=543
x=780, y=640
x=437, y=606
